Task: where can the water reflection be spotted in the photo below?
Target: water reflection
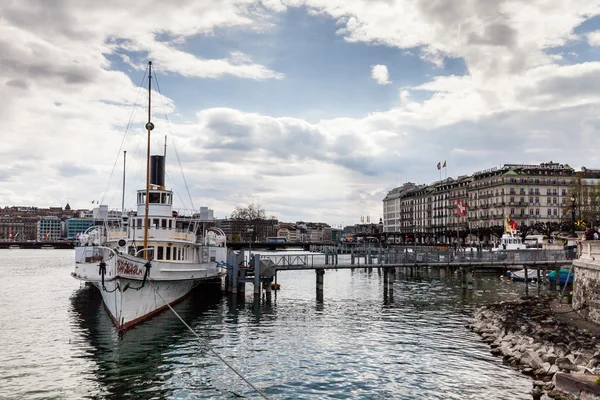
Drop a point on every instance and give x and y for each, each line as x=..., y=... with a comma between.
x=356, y=343
x=128, y=365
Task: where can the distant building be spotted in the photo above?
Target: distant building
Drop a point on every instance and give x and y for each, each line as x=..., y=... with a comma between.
x=49, y=229
x=76, y=226
x=529, y=194
x=206, y=214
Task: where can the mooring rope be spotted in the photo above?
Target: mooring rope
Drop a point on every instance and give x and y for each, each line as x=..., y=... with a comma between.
x=207, y=345
x=173, y=140
x=133, y=108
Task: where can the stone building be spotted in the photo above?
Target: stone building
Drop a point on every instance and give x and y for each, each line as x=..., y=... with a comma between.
x=527, y=193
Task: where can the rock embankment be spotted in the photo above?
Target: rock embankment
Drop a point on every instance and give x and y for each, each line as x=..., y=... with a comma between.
x=529, y=336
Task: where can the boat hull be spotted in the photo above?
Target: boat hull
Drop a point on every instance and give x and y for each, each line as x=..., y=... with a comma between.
x=131, y=292
x=130, y=306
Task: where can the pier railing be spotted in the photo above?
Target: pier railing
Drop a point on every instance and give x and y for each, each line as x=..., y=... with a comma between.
x=376, y=257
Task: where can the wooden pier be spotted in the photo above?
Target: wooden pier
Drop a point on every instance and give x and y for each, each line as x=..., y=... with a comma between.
x=465, y=263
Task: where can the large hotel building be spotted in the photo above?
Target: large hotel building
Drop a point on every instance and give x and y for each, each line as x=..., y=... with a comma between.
x=527, y=193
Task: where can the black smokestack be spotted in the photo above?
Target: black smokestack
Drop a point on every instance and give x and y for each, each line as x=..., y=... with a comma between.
x=157, y=170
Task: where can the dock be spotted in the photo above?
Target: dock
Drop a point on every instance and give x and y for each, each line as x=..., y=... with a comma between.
x=412, y=261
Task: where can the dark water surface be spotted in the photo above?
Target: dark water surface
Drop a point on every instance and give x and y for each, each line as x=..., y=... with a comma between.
x=57, y=341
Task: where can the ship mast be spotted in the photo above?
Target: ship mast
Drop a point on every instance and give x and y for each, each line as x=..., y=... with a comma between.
x=149, y=127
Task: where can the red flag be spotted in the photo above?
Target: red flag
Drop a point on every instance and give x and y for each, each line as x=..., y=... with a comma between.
x=513, y=225
x=9, y=235
x=439, y=165
x=461, y=209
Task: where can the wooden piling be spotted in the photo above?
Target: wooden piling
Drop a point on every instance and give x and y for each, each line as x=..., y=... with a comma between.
x=320, y=273
x=526, y=280
x=257, y=275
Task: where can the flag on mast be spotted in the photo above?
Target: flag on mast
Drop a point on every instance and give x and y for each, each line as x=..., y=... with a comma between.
x=444, y=166
x=439, y=165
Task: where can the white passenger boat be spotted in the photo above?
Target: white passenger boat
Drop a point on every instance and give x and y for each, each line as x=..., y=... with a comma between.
x=511, y=239
x=142, y=262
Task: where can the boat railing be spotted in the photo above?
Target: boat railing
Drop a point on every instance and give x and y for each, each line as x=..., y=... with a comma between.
x=156, y=233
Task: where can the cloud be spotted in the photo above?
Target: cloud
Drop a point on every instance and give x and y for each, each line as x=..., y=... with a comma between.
x=491, y=37
x=593, y=38
x=69, y=98
x=380, y=74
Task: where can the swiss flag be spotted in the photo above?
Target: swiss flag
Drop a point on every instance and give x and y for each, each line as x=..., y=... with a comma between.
x=461, y=209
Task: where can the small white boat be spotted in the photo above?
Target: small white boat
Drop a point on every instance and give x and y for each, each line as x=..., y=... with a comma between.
x=14, y=247
x=520, y=275
x=47, y=247
x=511, y=239
x=143, y=263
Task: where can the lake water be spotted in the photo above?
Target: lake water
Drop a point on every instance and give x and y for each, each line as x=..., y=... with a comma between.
x=57, y=341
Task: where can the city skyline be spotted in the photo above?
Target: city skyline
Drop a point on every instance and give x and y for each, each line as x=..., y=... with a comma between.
x=314, y=109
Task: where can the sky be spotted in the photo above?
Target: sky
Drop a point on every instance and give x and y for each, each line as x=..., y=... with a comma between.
x=313, y=109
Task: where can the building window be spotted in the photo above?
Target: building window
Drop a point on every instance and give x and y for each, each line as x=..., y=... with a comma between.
x=537, y=211
x=537, y=200
x=549, y=212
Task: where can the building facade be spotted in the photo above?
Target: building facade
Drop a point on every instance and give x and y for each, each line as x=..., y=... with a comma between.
x=76, y=226
x=529, y=194
x=49, y=229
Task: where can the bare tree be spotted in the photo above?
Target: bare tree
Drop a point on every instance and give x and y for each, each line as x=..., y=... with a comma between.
x=250, y=223
x=547, y=228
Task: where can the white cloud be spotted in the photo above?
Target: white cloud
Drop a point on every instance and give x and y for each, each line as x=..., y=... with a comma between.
x=380, y=74
x=593, y=38
x=66, y=105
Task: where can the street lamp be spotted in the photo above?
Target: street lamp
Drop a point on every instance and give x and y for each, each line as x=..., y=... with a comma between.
x=573, y=216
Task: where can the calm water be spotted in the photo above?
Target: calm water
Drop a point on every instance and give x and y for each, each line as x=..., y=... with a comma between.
x=56, y=340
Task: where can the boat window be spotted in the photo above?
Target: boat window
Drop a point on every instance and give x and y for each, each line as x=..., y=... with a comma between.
x=141, y=197
x=169, y=201
x=155, y=222
x=163, y=198
x=154, y=197
x=164, y=223
x=168, y=253
x=170, y=224
x=160, y=253
x=179, y=253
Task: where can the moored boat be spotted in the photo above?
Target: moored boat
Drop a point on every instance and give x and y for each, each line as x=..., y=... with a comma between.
x=519, y=275
x=143, y=262
x=564, y=276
